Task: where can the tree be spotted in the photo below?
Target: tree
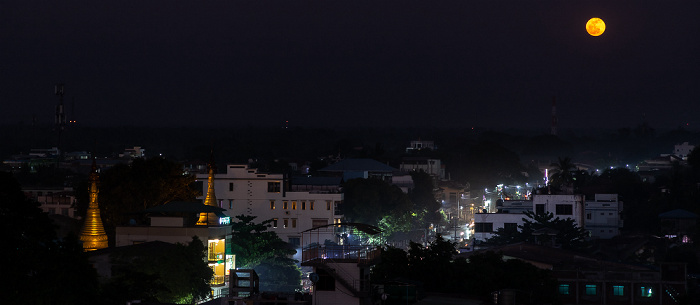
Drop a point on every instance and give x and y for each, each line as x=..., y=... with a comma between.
x=262, y=250
x=562, y=172
x=423, y=197
x=34, y=257
x=171, y=273
x=569, y=235
x=378, y=203
x=128, y=189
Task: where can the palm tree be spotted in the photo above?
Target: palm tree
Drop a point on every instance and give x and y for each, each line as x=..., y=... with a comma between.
x=562, y=171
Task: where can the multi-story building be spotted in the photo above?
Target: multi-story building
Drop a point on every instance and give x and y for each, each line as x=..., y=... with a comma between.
x=510, y=214
x=603, y=216
x=171, y=227
x=54, y=201
x=294, y=205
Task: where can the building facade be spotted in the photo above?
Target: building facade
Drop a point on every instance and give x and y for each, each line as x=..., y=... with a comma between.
x=293, y=208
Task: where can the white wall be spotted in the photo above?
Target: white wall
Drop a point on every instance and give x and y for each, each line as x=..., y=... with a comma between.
x=250, y=196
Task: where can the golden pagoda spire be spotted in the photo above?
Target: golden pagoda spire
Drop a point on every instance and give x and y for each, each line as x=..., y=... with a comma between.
x=210, y=199
x=93, y=233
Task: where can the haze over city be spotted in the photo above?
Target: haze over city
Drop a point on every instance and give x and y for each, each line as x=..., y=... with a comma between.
x=351, y=63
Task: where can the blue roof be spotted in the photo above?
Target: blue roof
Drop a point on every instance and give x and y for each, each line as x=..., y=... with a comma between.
x=679, y=214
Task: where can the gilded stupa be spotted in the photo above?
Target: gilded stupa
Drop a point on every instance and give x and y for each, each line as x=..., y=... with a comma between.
x=209, y=218
x=93, y=233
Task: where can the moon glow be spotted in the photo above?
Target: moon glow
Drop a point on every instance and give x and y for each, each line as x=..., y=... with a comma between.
x=595, y=26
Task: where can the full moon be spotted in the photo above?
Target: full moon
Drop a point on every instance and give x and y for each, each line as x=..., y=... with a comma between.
x=595, y=26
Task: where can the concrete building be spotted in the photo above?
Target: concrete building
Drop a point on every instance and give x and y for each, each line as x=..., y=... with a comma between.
x=294, y=205
x=603, y=216
x=562, y=206
x=175, y=222
x=54, y=201
x=341, y=272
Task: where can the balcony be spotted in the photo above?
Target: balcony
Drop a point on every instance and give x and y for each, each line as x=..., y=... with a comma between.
x=360, y=254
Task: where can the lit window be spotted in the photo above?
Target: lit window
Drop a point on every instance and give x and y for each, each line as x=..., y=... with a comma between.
x=294, y=205
x=646, y=292
x=284, y=205
x=274, y=223
x=619, y=290
x=591, y=290
x=286, y=223
x=564, y=289
x=272, y=204
x=311, y=205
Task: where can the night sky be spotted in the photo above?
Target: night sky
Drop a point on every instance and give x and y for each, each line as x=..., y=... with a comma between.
x=329, y=63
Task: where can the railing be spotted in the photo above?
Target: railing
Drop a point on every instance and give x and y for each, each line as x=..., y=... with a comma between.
x=352, y=252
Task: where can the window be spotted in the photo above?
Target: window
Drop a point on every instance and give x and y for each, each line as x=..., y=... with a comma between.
x=311, y=205
x=294, y=205
x=274, y=222
x=336, y=206
x=564, y=289
x=591, y=289
x=272, y=204
x=646, y=292
x=230, y=204
x=539, y=209
x=328, y=205
x=230, y=186
x=284, y=205
x=294, y=222
x=565, y=209
x=286, y=223
x=273, y=187
x=318, y=222
x=295, y=241
x=588, y=216
x=303, y=205
x=510, y=227
x=483, y=227
x=618, y=290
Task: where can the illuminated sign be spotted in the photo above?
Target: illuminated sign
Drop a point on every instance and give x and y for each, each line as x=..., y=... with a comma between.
x=224, y=220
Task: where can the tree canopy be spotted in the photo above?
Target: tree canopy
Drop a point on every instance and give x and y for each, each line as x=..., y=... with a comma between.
x=439, y=271
x=568, y=234
x=33, y=256
x=262, y=250
x=173, y=274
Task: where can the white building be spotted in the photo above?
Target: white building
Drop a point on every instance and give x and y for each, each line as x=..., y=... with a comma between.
x=603, y=216
x=293, y=208
x=562, y=206
x=181, y=229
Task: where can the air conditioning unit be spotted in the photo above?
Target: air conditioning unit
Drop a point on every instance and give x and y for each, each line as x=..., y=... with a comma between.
x=286, y=212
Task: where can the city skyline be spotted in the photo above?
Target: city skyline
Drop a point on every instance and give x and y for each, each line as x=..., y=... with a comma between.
x=352, y=63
